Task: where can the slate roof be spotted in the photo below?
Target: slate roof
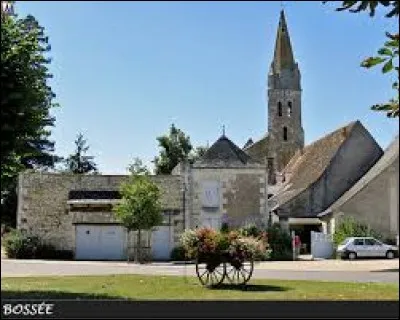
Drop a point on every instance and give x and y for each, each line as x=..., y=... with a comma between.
x=390, y=156
x=258, y=149
x=224, y=153
x=309, y=164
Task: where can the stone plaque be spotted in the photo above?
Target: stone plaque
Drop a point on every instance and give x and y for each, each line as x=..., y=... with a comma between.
x=210, y=194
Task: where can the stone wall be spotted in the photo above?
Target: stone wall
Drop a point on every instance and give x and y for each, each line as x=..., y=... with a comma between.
x=43, y=209
x=242, y=194
x=377, y=204
x=353, y=159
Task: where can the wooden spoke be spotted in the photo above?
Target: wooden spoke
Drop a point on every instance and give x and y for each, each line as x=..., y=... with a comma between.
x=239, y=274
x=209, y=276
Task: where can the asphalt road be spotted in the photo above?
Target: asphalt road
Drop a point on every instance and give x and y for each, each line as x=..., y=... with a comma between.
x=385, y=271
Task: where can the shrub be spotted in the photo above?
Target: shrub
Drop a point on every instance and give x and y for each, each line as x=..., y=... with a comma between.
x=349, y=227
x=280, y=243
x=19, y=245
x=179, y=254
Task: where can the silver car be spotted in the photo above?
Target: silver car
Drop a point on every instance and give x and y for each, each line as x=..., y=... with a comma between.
x=365, y=247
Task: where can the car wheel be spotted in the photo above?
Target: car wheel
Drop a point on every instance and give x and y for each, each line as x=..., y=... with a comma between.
x=352, y=256
x=390, y=254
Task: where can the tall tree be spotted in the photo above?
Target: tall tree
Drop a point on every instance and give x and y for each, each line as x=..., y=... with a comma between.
x=139, y=209
x=175, y=147
x=388, y=55
x=26, y=102
x=79, y=162
x=197, y=153
x=138, y=168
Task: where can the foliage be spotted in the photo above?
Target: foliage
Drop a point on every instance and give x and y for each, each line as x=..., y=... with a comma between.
x=19, y=245
x=26, y=102
x=175, y=147
x=79, y=162
x=280, y=243
x=388, y=55
x=138, y=168
x=207, y=243
x=349, y=227
x=196, y=154
x=140, y=207
x=179, y=254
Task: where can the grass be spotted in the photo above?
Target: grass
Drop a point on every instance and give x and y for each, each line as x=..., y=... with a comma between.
x=141, y=287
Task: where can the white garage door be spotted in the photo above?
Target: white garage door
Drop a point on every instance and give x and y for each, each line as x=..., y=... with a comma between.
x=99, y=242
x=161, y=243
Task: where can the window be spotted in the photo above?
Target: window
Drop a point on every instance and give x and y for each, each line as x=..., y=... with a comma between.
x=358, y=242
x=285, y=135
x=371, y=242
x=289, y=110
x=280, y=109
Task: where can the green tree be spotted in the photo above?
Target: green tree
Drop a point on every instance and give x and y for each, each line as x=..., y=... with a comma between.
x=388, y=55
x=197, y=153
x=139, y=209
x=79, y=162
x=175, y=147
x=26, y=102
x=138, y=168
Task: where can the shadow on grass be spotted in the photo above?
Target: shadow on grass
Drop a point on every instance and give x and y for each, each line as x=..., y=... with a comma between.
x=251, y=287
x=387, y=270
x=9, y=294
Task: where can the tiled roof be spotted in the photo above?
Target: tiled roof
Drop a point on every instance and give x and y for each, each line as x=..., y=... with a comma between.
x=389, y=157
x=309, y=164
x=225, y=153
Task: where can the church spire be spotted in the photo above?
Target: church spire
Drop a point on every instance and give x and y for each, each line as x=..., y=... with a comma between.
x=283, y=55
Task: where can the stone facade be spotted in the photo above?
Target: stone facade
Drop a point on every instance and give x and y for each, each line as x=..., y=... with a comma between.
x=242, y=195
x=325, y=172
x=44, y=209
x=374, y=199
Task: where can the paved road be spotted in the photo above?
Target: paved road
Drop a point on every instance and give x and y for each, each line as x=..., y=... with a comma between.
x=330, y=270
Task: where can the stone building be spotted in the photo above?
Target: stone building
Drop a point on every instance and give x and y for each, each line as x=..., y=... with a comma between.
x=225, y=185
x=374, y=199
x=74, y=212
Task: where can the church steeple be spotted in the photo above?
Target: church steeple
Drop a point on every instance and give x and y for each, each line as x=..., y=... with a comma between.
x=285, y=132
x=283, y=55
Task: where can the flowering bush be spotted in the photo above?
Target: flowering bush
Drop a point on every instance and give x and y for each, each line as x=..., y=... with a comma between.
x=210, y=244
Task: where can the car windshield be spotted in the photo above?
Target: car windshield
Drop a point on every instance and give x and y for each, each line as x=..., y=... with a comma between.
x=346, y=241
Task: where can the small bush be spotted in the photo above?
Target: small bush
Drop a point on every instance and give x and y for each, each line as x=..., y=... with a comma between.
x=19, y=245
x=349, y=227
x=280, y=243
x=178, y=254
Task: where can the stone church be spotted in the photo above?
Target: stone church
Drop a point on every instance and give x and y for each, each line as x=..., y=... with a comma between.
x=275, y=179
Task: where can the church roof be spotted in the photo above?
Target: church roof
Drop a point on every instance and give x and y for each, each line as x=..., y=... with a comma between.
x=257, y=150
x=224, y=153
x=283, y=55
x=308, y=165
x=390, y=156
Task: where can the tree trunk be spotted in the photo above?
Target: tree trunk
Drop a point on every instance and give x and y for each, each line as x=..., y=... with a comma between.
x=140, y=246
x=127, y=245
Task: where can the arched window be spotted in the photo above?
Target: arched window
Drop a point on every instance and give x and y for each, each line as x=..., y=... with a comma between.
x=289, y=111
x=280, y=109
x=284, y=133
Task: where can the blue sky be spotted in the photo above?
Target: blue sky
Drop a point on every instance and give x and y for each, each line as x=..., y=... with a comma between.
x=124, y=71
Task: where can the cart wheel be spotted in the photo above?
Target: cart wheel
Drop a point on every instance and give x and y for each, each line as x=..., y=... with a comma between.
x=210, y=275
x=239, y=274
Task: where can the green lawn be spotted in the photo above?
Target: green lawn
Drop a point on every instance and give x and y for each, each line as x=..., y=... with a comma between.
x=173, y=287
